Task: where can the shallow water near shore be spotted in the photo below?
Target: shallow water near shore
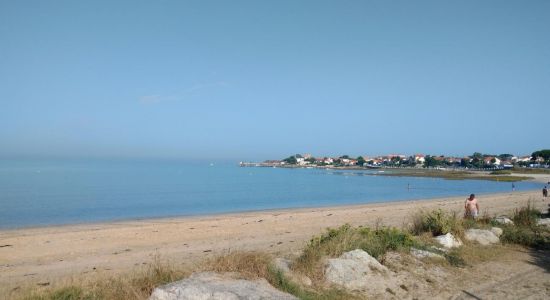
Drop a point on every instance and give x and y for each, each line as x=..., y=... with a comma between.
x=55, y=192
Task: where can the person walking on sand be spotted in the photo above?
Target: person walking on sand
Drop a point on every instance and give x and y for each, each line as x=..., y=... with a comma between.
x=544, y=192
x=471, y=207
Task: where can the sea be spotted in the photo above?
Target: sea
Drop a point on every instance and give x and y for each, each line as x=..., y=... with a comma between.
x=57, y=192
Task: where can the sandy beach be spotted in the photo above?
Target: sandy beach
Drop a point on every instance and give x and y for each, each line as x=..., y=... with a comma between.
x=50, y=254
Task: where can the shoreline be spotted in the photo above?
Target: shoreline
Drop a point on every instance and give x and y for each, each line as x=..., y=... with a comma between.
x=52, y=254
x=117, y=222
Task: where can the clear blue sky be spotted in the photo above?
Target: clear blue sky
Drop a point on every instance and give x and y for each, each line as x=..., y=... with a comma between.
x=249, y=80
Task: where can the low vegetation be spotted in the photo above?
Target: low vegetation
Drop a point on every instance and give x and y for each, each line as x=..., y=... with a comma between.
x=436, y=222
x=501, y=172
x=334, y=242
x=530, y=170
x=453, y=175
x=137, y=285
x=526, y=231
x=254, y=265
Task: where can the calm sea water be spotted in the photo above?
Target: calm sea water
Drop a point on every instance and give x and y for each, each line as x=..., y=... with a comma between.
x=35, y=193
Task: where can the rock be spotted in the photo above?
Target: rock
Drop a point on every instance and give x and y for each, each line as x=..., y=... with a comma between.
x=504, y=220
x=357, y=270
x=423, y=254
x=352, y=268
x=482, y=236
x=544, y=222
x=448, y=241
x=213, y=286
x=283, y=265
x=497, y=231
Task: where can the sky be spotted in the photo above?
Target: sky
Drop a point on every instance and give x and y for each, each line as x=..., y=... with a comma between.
x=254, y=80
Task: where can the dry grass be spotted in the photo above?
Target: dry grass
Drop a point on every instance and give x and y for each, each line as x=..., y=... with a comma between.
x=136, y=285
x=249, y=265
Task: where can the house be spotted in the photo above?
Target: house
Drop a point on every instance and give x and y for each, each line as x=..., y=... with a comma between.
x=490, y=160
x=419, y=158
x=524, y=159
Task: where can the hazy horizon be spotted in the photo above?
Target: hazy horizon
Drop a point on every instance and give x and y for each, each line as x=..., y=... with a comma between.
x=246, y=80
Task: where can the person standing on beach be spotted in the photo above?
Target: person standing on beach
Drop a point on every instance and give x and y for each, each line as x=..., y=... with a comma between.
x=471, y=207
x=544, y=192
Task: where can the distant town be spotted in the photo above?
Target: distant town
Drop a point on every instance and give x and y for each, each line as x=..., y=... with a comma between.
x=538, y=159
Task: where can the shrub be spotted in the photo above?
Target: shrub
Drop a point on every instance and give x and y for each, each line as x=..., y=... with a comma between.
x=437, y=222
x=526, y=215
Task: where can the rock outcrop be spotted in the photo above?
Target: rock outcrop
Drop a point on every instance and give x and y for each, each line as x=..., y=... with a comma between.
x=358, y=271
x=482, y=236
x=448, y=241
x=213, y=286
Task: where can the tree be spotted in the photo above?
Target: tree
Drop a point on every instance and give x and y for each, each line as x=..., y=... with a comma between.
x=360, y=160
x=396, y=160
x=477, y=155
x=291, y=160
x=544, y=154
x=430, y=161
x=465, y=162
x=477, y=162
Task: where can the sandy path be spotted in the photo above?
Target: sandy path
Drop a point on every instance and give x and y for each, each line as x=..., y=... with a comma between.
x=52, y=253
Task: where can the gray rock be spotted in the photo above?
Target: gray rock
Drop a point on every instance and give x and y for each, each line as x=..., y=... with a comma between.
x=504, y=220
x=448, y=241
x=544, y=222
x=418, y=253
x=482, y=236
x=213, y=286
x=497, y=231
x=357, y=270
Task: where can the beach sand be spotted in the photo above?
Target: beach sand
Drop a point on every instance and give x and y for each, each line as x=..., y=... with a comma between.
x=50, y=254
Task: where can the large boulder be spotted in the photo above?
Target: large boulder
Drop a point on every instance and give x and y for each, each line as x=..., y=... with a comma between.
x=448, y=241
x=504, y=220
x=482, y=236
x=213, y=286
x=358, y=271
